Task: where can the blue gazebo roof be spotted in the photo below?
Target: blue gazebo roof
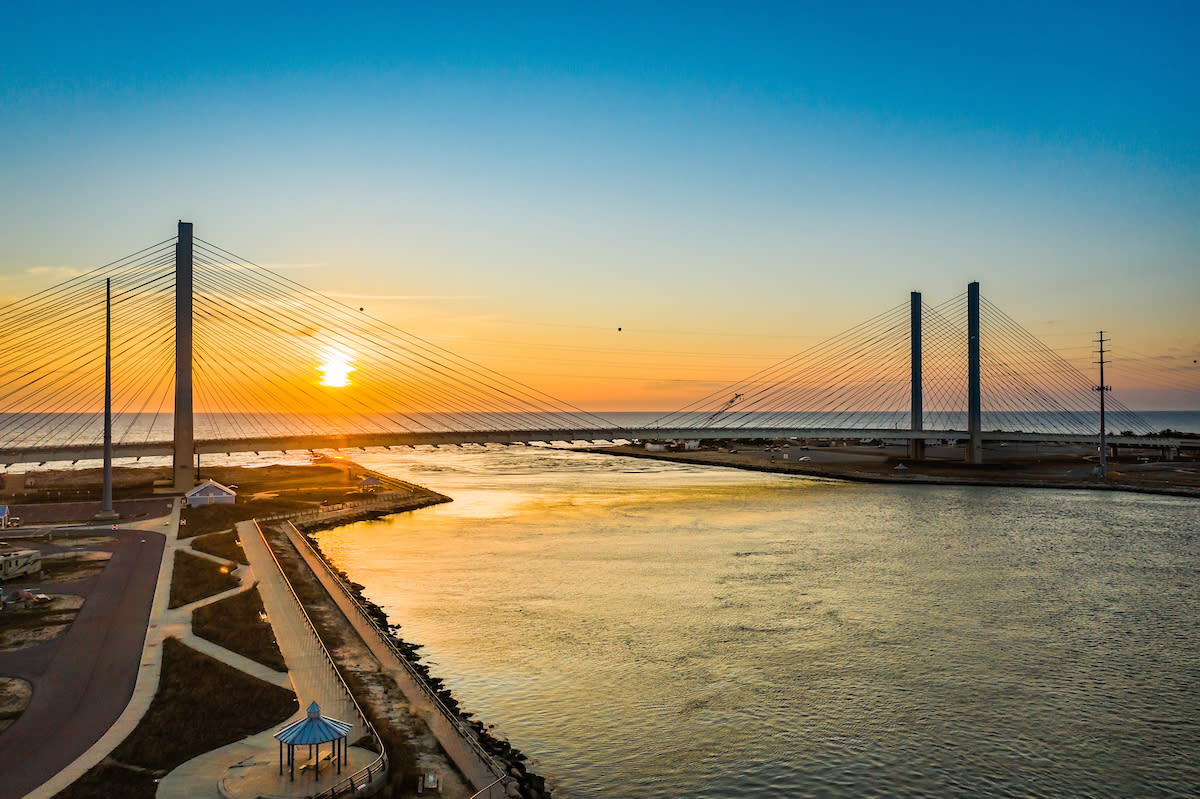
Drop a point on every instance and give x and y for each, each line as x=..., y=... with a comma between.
x=313, y=729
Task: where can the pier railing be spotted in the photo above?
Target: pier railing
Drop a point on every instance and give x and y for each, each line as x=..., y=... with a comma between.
x=332, y=511
x=376, y=768
x=468, y=735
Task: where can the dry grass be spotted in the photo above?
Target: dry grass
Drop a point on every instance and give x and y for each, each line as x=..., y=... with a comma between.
x=22, y=626
x=73, y=566
x=108, y=779
x=195, y=578
x=276, y=478
x=14, y=698
x=216, y=518
x=69, y=485
x=201, y=705
x=291, y=489
x=240, y=624
x=223, y=545
x=402, y=759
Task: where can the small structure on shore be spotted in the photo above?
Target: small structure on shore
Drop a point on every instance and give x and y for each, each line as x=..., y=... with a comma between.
x=312, y=731
x=370, y=484
x=210, y=492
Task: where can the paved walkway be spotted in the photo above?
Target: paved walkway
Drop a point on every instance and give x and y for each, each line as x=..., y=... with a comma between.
x=83, y=678
x=250, y=768
x=149, y=664
x=164, y=623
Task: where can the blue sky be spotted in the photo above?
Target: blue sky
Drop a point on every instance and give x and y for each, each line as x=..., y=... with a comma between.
x=733, y=178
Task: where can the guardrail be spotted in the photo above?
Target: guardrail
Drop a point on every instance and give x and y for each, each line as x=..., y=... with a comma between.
x=365, y=775
x=479, y=794
x=463, y=730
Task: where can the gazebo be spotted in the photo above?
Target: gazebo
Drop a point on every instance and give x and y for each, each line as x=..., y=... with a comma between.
x=312, y=731
x=370, y=483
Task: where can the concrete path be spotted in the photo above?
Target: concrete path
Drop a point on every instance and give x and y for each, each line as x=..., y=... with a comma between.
x=250, y=767
x=311, y=673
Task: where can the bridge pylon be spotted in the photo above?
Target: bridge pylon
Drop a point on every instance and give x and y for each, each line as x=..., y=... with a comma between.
x=974, y=398
x=183, y=471
x=916, y=446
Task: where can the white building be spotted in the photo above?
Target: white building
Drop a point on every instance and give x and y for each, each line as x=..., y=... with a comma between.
x=210, y=492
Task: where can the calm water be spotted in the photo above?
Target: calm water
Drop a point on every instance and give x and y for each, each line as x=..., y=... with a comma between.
x=653, y=630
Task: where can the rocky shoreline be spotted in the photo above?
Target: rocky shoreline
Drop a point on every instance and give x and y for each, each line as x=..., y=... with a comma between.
x=529, y=784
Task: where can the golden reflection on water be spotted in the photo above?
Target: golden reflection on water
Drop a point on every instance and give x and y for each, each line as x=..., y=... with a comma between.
x=647, y=629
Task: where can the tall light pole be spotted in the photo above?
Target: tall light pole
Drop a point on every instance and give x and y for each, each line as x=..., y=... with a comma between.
x=1102, y=469
x=107, y=514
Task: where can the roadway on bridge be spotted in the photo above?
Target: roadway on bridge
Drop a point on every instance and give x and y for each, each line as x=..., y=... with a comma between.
x=83, y=679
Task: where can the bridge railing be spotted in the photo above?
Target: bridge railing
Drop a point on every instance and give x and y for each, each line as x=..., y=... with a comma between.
x=364, y=776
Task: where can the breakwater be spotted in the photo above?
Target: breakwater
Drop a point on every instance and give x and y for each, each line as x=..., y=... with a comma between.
x=506, y=764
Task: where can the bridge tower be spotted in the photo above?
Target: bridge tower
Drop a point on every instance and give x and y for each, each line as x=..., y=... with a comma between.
x=974, y=415
x=916, y=446
x=183, y=473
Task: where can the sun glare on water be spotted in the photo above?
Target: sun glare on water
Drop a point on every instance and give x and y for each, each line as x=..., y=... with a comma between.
x=335, y=367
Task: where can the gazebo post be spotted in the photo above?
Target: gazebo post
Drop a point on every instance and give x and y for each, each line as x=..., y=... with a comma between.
x=281, y=758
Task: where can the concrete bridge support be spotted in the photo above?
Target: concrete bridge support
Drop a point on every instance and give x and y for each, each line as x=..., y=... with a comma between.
x=974, y=415
x=916, y=446
x=183, y=473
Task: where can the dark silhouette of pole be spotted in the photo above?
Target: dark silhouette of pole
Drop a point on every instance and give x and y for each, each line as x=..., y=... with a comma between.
x=1102, y=469
x=916, y=446
x=974, y=416
x=106, y=500
x=183, y=474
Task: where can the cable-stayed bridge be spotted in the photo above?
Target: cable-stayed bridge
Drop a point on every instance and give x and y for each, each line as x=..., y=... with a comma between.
x=212, y=353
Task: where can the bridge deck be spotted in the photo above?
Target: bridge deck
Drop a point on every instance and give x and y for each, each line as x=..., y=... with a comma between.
x=363, y=440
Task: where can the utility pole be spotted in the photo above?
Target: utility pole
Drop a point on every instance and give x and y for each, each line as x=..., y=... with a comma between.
x=1102, y=469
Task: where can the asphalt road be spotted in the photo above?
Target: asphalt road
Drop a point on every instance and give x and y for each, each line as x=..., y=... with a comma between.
x=83, y=679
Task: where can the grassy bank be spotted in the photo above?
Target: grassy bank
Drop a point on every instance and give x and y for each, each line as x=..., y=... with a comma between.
x=202, y=704
x=195, y=578
x=239, y=623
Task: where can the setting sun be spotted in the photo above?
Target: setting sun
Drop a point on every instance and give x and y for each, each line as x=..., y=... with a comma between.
x=335, y=367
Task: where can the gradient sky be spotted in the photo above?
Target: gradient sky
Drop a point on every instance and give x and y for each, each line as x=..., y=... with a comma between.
x=727, y=183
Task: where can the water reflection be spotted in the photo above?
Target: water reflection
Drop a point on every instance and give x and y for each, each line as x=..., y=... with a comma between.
x=649, y=629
